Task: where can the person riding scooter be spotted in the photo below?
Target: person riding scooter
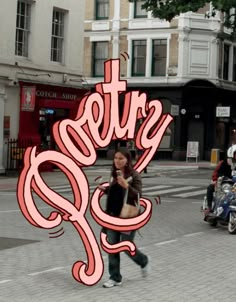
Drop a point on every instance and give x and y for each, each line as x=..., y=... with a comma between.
x=224, y=168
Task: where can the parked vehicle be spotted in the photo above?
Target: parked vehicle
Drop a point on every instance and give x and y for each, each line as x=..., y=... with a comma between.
x=224, y=205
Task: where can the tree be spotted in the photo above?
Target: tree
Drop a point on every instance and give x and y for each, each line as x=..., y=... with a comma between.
x=168, y=9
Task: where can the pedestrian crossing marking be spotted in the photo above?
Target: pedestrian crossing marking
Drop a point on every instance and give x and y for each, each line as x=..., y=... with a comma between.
x=189, y=194
x=148, y=190
x=170, y=190
x=155, y=187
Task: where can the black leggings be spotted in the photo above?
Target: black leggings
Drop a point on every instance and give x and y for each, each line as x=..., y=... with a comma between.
x=210, y=192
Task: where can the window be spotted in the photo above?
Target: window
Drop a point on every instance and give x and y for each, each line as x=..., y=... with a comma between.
x=226, y=62
x=102, y=9
x=234, y=65
x=100, y=55
x=57, y=36
x=139, y=58
x=138, y=11
x=159, y=54
x=22, y=29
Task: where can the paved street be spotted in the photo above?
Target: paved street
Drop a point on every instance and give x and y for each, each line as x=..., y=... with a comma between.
x=190, y=261
x=160, y=185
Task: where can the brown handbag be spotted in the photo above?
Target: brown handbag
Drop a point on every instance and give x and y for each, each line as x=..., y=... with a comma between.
x=128, y=210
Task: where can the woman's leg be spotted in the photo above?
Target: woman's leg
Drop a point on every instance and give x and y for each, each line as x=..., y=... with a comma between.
x=139, y=258
x=114, y=259
x=210, y=194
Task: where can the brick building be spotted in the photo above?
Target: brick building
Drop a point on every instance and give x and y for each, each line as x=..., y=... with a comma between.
x=41, y=68
x=184, y=63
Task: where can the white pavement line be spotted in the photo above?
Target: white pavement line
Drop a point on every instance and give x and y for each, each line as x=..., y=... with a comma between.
x=68, y=188
x=63, y=190
x=170, y=190
x=155, y=187
x=65, y=186
x=8, y=193
x=13, y=211
x=166, y=242
x=98, y=170
x=189, y=194
x=193, y=234
x=59, y=186
x=46, y=271
x=5, y=281
x=197, y=202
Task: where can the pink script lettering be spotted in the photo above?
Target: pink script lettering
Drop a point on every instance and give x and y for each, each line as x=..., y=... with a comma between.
x=78, y=140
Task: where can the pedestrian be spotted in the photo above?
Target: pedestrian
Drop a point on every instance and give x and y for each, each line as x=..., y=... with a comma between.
x=224, y=168
x=121, y=170
x=139, y=153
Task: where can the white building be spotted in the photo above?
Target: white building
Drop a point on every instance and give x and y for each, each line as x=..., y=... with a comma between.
x=186, y=63
x=41, y=62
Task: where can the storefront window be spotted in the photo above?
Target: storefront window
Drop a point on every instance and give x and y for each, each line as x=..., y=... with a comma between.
x=233, y=134
x=48, y=117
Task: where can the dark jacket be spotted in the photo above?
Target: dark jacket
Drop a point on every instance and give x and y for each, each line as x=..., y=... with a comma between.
x=116, y=195
x=222, y=169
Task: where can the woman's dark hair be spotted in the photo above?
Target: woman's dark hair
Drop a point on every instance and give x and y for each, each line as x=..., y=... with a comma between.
x=128, y=168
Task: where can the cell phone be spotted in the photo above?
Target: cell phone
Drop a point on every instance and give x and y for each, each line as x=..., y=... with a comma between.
x=118, y=173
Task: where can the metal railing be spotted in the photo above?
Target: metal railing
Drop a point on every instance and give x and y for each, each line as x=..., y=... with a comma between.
x=15, y=153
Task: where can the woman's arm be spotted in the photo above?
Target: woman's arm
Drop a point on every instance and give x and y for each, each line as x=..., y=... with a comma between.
x=104, y=189
x=135, y=188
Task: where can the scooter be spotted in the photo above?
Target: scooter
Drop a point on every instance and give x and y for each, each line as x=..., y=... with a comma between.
x=224, y=205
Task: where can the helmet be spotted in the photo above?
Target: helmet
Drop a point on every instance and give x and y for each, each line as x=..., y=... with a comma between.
x=231, y=152
x=231, y=157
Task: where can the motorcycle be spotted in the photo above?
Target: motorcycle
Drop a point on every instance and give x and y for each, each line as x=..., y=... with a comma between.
x=224, y=205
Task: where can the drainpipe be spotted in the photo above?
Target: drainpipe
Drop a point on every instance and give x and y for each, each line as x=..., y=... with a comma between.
x=116, y=30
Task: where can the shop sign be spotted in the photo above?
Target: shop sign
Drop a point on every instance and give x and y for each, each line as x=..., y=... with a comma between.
x=28, y=98
x=174, y=110
x=56, y=95
x=222, y=111
x=192, y=149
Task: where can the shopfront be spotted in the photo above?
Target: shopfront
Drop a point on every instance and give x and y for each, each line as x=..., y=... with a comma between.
x=43, y=105
x=196, y=118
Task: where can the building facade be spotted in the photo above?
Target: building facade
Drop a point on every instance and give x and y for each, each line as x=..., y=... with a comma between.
x=41, y=68
x=184, y=63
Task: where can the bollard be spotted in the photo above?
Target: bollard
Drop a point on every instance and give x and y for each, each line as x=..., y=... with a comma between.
x=215, y=156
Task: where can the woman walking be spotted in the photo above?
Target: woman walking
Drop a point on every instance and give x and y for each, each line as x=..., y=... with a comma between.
x=119, y=185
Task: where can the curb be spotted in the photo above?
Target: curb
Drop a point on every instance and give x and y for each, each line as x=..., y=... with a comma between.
x=208, y=168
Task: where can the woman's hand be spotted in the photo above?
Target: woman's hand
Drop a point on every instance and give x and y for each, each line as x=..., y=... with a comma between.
x=122, y=182
x=101, y=188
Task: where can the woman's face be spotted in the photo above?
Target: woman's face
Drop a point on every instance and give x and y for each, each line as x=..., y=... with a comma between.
x=120, y=161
